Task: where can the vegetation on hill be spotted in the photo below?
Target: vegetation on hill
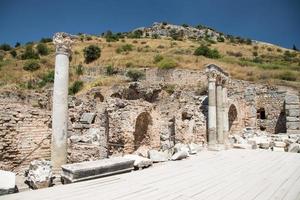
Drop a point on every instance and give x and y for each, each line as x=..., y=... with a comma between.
x=31, y=66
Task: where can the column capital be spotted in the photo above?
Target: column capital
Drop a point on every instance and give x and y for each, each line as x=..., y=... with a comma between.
x=63, y=42
x=212, y=76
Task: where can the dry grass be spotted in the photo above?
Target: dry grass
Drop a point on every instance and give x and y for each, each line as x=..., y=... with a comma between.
x=143, y=54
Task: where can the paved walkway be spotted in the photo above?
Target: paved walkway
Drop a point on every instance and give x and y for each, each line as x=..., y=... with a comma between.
x=226, y=175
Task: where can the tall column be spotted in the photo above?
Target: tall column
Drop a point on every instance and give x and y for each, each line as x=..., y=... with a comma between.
x=212, y=123
x=220, y=114
x=62, y=42
x=225, y=111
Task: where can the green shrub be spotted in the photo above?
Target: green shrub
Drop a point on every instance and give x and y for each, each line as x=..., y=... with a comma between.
x=167, y=63
x=91, y=53
x=185, y=25
x=135, y=34
x=155, y=36
x=124, y=48
x=75, y=87
x=255, y=47
x=169, y=88
x=257, y=60
x=269, y=49
x=220, y=39
x=110, y=70
x=129, y=64
x=42, y=49
x=46, y=78
x=235, y=54
x=29, y=53
x=254, y=53
x=17, y=44
x=287, y=76
x=2, y=54
x=248, y=41
x=13, y=53
x=5, y=47
x=110, y=37
x=79, y=69
x=176, y=35
x=135, y=74
x=46, y=40
x=157, y=58
x=207, y=52
x=31, y=65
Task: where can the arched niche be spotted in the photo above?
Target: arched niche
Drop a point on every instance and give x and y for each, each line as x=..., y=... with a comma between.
x=142, y=130
x=232, y=116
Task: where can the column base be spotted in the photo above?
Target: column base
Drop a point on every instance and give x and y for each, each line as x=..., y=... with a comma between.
x=218, y=147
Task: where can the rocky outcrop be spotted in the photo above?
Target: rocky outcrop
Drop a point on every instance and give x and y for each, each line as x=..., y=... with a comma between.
x=170, y=30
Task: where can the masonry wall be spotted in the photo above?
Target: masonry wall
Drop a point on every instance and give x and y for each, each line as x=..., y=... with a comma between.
x=24, y=134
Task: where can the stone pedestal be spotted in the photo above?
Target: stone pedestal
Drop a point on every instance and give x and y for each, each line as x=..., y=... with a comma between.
x=62, y=42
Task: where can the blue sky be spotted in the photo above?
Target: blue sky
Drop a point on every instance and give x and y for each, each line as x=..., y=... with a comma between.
x=274, y=21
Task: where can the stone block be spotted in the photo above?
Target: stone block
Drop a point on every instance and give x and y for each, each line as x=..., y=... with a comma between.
x=279, y=144
x=292, y=119
x=293, y=132
x=294, y=148
x=7, y=182
x=95, y=169
x=293, y=125
x=194, y=148
x=158, y=156
x=139, y=161
x=180, y=155
x=291, y=98
x=292, y=106
x=278, y=149
x=87, y=118
x=242, y=146
x=293, y=113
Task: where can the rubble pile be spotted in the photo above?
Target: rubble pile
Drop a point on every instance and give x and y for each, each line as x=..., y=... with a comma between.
x=253, y=139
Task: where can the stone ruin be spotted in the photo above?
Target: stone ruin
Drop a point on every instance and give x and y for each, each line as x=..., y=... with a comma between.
x=172, y=107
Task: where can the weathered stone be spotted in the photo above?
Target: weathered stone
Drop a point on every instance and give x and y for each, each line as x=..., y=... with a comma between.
x=242, y=146
x=181, y=147
x=180, y=155
x=158, y=156
x=279, y=144
x=87, y=118
x=139, y=161
x=94, y=169
x=291, y=98
x=194, y=148
x=292, y=119
x=39, y=175
x=278, y=149
x=264, y=145
x=294, y=148
x=7, y=182
x=293, y=125
x=293, y=113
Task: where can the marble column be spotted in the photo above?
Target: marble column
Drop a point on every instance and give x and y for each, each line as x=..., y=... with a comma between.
x=225, y=111
x=212, y=123
x=62, y=42
x=220, y=114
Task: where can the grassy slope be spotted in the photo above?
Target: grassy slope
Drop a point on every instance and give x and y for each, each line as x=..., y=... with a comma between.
x=12, y=74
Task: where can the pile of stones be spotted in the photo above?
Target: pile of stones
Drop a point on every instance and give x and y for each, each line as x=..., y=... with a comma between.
x=252, y=139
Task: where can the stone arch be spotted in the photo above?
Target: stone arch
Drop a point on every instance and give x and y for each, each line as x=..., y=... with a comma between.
x=142, y=135
x=232, y=116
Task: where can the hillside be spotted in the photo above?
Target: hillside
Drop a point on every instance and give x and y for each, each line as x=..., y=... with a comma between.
x=161, y=45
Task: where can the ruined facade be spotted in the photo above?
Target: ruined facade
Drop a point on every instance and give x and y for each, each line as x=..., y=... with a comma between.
x=165, y=108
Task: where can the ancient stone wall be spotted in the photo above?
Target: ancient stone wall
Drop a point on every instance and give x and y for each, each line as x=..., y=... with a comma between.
x=24, y=132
